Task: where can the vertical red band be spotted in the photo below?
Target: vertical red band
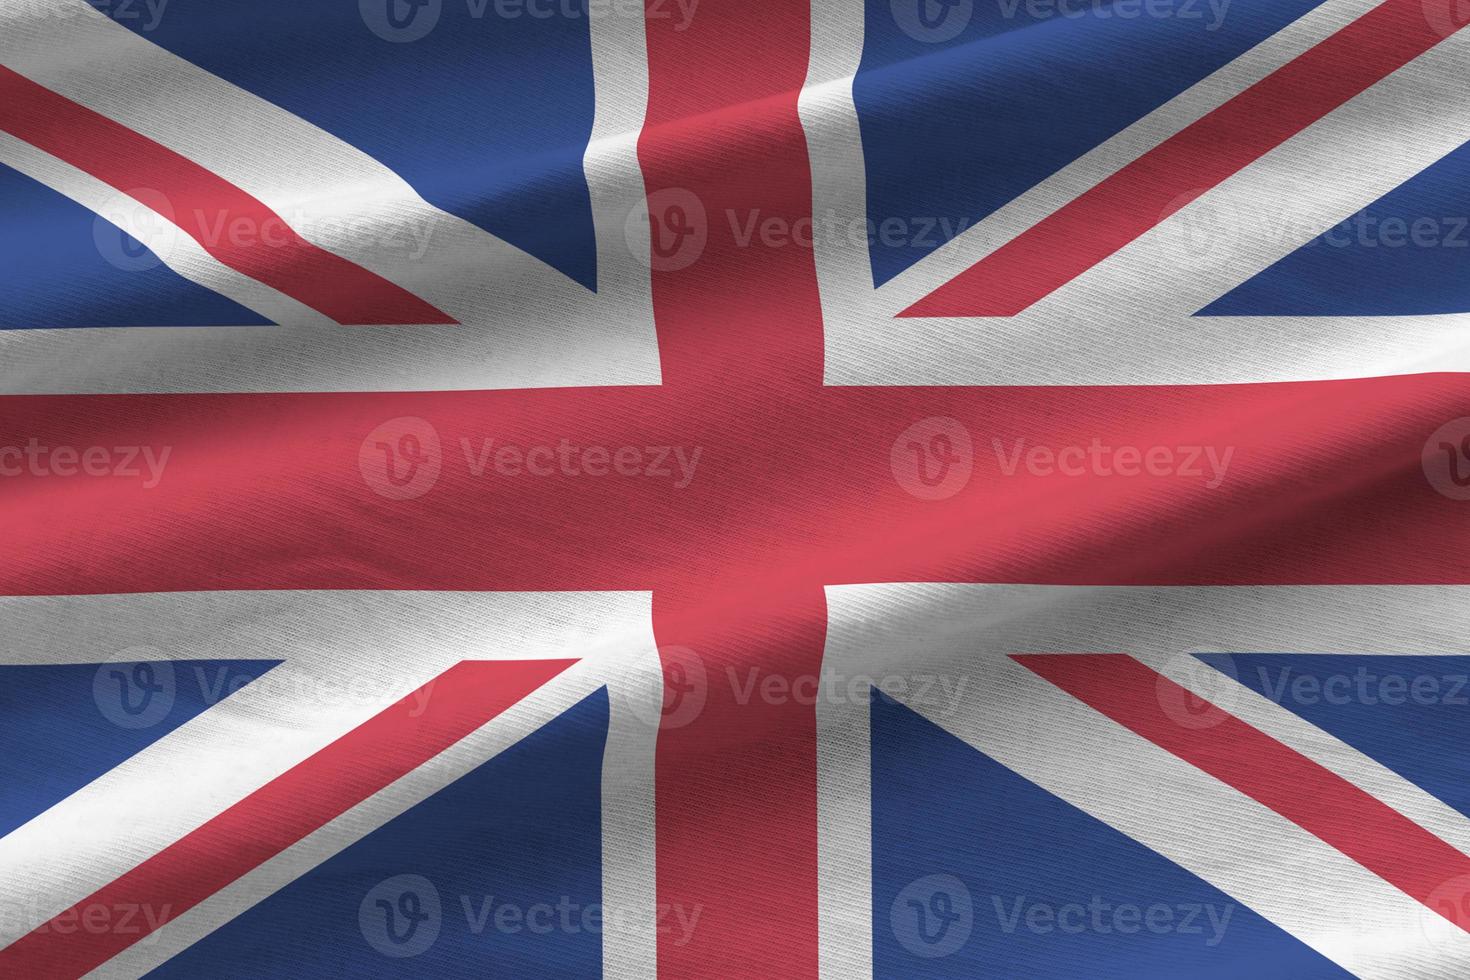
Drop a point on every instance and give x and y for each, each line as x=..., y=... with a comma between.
x=736, y=785
x=740, y=339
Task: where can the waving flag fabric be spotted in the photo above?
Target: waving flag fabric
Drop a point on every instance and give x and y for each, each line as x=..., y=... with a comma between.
x=735, y=488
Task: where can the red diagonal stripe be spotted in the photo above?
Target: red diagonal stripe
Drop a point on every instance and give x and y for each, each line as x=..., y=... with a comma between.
x=282, y=812
x=1140, y=196
x=205, y=205
x=1309, y=795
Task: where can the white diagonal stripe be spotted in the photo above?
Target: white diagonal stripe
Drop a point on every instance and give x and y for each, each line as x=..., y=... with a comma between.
x=348, y=655
x=1273, y=866
x=521, y=323
x=1323, y=175
x=174, y=249
x=1129, y=322
x=629, y=938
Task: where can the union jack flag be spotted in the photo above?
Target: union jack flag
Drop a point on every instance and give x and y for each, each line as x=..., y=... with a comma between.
x=700, y=488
